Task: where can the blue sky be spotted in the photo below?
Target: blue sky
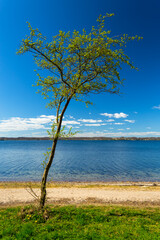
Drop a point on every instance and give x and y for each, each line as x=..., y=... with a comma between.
x=135, y=113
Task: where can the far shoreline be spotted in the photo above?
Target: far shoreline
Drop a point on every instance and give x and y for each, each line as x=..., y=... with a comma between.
x=83, y=138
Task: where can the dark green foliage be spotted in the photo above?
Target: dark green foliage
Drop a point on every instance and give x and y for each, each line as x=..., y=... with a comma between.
x=70, y=222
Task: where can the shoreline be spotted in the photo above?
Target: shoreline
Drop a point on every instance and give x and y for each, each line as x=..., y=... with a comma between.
x=142, y=194
x=17, y=184
x=83, y=138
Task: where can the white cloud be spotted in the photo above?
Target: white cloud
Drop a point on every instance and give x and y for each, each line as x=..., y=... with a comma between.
x=70, y=122
x=130, y=121
x=157, y=107
x=92, y=125
x=25, y=124
x=128, y=128
x=115, y=115
x=20, y=124
x=69, y=126
x=120, y=129
x=110, y=120
x=89, y=120
x=118, y=123
x=71, y=117
x=107, y=114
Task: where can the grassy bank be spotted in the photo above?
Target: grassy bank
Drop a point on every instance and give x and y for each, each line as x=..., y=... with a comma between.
x=85, y=222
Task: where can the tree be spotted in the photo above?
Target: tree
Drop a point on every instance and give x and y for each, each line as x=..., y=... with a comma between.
x=78, y=64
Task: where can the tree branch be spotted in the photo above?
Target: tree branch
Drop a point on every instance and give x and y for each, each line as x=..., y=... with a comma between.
x=49, y=60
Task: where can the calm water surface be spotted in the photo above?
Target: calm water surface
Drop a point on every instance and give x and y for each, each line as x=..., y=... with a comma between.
x=81, y=160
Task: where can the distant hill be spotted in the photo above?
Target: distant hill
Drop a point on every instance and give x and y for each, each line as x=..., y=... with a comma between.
x=84, y=138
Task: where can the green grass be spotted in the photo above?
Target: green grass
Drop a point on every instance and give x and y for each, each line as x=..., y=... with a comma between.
x=85, y=222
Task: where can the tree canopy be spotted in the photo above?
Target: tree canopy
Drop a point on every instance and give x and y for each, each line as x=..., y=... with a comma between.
x=78, y=63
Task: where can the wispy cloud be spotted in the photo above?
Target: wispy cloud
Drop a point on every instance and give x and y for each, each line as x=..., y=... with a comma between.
x=71, y=117
x=110, y=120
x=157, y=107
x=70, y=122
x=93, y=125
x=23, y=126
x=130, y=121
x=118, y=134
x=115, y=115
x=71, y=126
x=89, y=120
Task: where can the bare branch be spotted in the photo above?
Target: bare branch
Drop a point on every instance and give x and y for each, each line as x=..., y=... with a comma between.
x=32, y=192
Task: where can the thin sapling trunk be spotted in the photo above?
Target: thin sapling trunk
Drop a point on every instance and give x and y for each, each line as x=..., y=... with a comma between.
x=51, y=157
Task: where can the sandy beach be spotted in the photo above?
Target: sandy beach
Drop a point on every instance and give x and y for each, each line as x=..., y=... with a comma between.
x=72, y=193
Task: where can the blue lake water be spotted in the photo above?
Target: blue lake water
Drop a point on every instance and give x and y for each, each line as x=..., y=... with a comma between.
x=81, y=160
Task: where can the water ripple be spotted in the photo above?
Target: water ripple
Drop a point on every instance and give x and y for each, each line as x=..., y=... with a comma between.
x=82, y=160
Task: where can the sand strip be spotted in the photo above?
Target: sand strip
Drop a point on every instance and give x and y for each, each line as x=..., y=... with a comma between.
x=12, y=196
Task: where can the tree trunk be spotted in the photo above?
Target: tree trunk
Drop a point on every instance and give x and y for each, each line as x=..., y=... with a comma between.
x=48, y=165
x=45, y=174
